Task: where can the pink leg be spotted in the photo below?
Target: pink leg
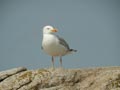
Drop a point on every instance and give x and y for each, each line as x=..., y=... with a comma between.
x=52, y=61
x=61, y=61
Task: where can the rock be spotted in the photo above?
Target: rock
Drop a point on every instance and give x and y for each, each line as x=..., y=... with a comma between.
x=7, y=73
x=104, y=78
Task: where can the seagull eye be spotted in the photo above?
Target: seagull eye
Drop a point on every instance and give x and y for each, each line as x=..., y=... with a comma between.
x=48, y=28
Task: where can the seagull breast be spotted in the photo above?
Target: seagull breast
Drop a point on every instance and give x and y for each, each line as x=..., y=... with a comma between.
x=52, y=46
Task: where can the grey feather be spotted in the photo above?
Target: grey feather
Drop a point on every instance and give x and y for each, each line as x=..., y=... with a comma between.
x=63, y=42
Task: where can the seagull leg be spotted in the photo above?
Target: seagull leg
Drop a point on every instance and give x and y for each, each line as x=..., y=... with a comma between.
x=60, y=61
x=52, y=61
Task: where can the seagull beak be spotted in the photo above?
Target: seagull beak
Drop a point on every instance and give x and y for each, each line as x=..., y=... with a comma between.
x=54, y=30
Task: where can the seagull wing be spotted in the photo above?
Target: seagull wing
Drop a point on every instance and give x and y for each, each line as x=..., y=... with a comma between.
x=63, y=42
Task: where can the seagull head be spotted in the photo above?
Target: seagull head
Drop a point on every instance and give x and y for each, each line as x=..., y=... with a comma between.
x=49, y=30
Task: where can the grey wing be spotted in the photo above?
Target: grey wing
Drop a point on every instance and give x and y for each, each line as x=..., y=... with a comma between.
x=63, y=42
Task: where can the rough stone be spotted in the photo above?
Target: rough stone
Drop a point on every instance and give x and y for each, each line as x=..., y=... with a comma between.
x=7, y=73
x=102, y=78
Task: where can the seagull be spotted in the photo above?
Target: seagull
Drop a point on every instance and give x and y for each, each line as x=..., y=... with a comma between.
x=54, y=45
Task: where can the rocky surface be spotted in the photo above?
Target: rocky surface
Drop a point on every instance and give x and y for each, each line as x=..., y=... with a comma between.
x=105, y=78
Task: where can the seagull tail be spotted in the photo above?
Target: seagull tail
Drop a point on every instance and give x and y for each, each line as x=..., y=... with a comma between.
x=71, y=51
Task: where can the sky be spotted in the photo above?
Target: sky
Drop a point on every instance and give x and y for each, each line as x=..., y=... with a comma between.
x=90, y=26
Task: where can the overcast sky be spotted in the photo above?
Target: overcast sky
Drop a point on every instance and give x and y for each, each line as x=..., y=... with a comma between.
x=90, y=26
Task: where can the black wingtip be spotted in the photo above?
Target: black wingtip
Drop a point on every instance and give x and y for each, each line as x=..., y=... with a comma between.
x=73, y=50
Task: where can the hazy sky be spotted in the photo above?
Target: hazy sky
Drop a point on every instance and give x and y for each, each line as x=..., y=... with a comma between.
x=90, y=26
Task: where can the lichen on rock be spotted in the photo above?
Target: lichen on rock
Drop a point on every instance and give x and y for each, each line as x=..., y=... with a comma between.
x=104, y=78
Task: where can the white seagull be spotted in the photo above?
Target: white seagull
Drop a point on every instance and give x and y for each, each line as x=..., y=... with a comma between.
x=54, y=45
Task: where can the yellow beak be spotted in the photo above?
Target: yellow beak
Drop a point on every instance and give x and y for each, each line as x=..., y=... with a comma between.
x=54, y=30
